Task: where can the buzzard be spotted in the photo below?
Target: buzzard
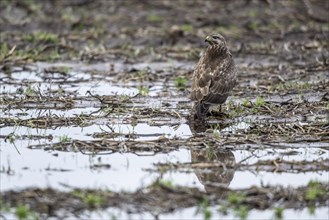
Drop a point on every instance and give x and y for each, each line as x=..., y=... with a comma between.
x=214, y=77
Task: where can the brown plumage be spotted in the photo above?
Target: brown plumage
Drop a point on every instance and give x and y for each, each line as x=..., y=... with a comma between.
x=214, y=77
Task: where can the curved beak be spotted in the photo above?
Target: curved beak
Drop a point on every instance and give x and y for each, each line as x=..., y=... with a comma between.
x=208, y=39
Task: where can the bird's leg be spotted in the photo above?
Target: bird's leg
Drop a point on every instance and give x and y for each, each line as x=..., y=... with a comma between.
x=220, y=113
x=200, y=110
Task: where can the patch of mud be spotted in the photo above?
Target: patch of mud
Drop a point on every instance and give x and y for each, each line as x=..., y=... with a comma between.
x=162, y=198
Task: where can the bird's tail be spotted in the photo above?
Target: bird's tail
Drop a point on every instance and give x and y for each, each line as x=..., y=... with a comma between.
x=200, y=109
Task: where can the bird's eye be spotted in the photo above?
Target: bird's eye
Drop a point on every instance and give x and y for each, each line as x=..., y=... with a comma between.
x=215, y=37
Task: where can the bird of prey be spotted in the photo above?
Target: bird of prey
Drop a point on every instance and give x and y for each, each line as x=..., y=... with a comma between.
x=214, y=76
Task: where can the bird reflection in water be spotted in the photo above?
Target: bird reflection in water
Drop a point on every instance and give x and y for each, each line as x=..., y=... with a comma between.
x=218, y=178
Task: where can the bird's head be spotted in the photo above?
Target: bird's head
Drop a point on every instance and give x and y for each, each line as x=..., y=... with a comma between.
x=216, y=39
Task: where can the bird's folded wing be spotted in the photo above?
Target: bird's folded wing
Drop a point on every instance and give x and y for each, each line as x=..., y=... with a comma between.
x=213, y=84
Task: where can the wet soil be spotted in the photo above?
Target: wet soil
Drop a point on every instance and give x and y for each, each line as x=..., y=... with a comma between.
x=95, y=110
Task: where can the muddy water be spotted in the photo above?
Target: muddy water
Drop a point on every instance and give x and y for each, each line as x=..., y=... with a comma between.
x=53, y=123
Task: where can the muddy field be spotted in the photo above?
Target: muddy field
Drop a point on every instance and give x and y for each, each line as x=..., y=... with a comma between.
x=95, y=111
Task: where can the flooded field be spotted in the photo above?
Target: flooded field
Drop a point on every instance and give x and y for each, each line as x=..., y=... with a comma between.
x=95, y=116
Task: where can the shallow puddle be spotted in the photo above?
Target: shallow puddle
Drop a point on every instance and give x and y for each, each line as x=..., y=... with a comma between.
x=196, y=214
x=86, y=130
